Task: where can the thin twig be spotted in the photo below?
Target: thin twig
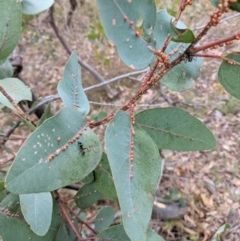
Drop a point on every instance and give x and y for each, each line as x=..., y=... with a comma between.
x=221, y=21
x=216, y=42
x=182, y=7
x=81, y=221
x=71, y=224
x=115, y=79
x=33, y=109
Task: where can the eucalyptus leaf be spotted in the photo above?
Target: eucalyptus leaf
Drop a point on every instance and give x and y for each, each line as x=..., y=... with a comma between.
x=51, y=157
x=175, y=129
x=103, y=179
x=11, y=217
x=65, y=232
x=87, y=196
x=37, y=210
x=116, y=17
x=6, y=70
x=47, y=114
x=10, y=25
x=104, y=218
x=229, y=74
x=16, y=89
x=117, y=232
x=33, y=7
x=70, y=87
x=130, y=155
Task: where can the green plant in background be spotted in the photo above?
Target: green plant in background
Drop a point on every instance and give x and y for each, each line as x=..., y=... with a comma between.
x=63, y=149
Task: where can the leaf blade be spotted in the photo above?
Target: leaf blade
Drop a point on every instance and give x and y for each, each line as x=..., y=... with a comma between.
x=21, y=229
x=103, y=179
x=37, y=211
x=10, y=25
x=31, y=7
x=135, y=190
x=229, y=75
x=33, y=171
x=104, y=218
x=175, y=129
x=70, y=87
x=87, y=196
x=16, y=89
x=132, y=50
x=117, y=232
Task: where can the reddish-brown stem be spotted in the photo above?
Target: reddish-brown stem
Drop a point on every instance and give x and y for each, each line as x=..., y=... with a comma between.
x=182, y=7
x=214, y=43
x=150, y=73
x=205, y=29
x=231, y=61
x=68, y=199
x=209, y=56
x=81, y=221
x=166, y=43
x=71, y=224
x=144, y=88
x=151, y=79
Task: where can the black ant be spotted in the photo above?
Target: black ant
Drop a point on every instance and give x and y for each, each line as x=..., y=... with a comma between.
x=189, y=56
x=82, y=149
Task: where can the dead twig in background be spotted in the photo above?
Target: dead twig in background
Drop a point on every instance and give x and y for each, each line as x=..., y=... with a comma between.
x=81, y=62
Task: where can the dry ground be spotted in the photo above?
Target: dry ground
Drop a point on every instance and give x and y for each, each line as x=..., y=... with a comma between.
x=209, y=182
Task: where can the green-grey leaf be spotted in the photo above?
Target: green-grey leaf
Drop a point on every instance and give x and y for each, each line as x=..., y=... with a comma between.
x=135, y=189
x=33, y=7
x=117, y=232
x=87, y=196
x=2, y=186
x=33, y=170
x=183, y=36
x=229, y=75
x=47, y=114
x=131, y=49
x=103, y=180
x=16, y=89
x=2, y=196
x=70, y=87
x=65, y=232
x=89, y=178
x=104, y=218
x=6, y=70
x=221, y=230
x=11, y=216
x=182, y=76
x=37, y=210
x=175, y=129
x=234, y=6
x=10, y=25
x=214, y=3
